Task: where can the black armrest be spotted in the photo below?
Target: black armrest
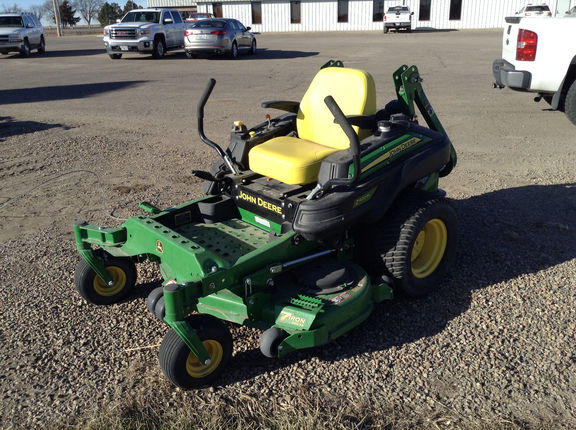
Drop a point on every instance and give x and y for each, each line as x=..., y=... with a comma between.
x=282, y=105
x=363, y=121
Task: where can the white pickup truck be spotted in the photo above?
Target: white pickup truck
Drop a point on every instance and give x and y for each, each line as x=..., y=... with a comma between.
x=398, y=17
x=537, y=56
x=145, y=31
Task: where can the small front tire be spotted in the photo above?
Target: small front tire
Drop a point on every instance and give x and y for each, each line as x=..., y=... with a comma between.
x=182, y=367
x=115, y=56
x=93, y=289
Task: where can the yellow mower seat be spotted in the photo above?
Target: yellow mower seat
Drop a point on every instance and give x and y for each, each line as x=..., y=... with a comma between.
x=296, y=160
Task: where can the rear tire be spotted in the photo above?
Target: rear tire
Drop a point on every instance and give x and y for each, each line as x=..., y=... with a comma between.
x=234, y=51
x=191, y=55
x=253, y=48
x=181, y=366
x=414, y=243
x=385, y=29
x=570, y=103
x=42, y=47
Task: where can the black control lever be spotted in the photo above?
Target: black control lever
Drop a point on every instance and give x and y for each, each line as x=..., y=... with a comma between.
x=340, y=118
x=200, y=115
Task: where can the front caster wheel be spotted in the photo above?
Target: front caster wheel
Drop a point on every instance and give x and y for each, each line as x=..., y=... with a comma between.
x=93, y=289
x=271, y=340
x=182, y=367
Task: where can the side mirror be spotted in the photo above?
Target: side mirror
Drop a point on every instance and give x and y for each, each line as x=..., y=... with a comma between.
x=412, y=13
x=248, y=28
x=118, y=20
x=168, y=21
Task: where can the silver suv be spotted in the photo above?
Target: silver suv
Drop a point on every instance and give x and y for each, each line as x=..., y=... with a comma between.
x=21, y=32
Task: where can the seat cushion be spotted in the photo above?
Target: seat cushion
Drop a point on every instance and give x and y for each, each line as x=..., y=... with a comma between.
x=296, y=161
x=289, y=159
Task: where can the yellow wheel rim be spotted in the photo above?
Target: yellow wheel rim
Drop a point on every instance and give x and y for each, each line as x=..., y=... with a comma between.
x=120, y=282
x=429, y=248
x=197, y=370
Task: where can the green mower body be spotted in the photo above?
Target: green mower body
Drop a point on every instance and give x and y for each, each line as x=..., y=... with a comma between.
x=304, y=262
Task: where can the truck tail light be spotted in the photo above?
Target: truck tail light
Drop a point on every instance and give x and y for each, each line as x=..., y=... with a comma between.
x=219, y=32
x=527, y=43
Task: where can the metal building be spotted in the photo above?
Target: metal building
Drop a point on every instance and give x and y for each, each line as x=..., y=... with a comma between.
x=358, y=15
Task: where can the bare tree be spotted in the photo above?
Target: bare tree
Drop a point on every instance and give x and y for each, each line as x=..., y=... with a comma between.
x=88, y=9
x=37, y=9
x=11, y=9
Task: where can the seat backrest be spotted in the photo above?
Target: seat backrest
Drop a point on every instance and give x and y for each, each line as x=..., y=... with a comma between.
x=354, y=91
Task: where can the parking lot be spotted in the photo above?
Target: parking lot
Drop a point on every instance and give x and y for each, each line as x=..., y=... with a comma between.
x=497, y=341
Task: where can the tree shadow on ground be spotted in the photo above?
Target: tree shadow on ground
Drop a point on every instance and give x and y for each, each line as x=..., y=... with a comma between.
x=61, y=92
x=504, y=234
x=9, y=128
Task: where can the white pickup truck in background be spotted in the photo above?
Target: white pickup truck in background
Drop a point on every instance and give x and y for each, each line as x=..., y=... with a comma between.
x=145, y=31
x=398, y=17
x=539, y=56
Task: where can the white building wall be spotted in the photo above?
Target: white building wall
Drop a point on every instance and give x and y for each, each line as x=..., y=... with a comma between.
x=322, y=15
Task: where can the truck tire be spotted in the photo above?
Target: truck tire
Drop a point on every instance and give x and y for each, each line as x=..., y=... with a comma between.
x=158, y=50
x=385, y=29
x=25, y=52
x=115, y=56
x=570, y=103
x=42, y=47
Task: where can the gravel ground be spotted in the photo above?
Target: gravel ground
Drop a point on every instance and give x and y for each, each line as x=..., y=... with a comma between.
x=496, y=341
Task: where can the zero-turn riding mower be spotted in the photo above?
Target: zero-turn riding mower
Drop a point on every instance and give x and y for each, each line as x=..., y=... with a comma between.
x=310, y=218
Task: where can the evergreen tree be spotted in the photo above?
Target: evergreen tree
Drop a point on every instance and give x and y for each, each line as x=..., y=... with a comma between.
x=130, y=5
x=67, y=14
x=109, y=13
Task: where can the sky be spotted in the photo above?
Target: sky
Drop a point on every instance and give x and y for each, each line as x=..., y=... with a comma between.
x=24, y=4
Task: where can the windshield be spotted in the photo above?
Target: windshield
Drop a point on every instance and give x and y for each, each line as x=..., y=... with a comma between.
x=11, y=21
x=142, y=16
x=199, y=15
x=398, y=9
